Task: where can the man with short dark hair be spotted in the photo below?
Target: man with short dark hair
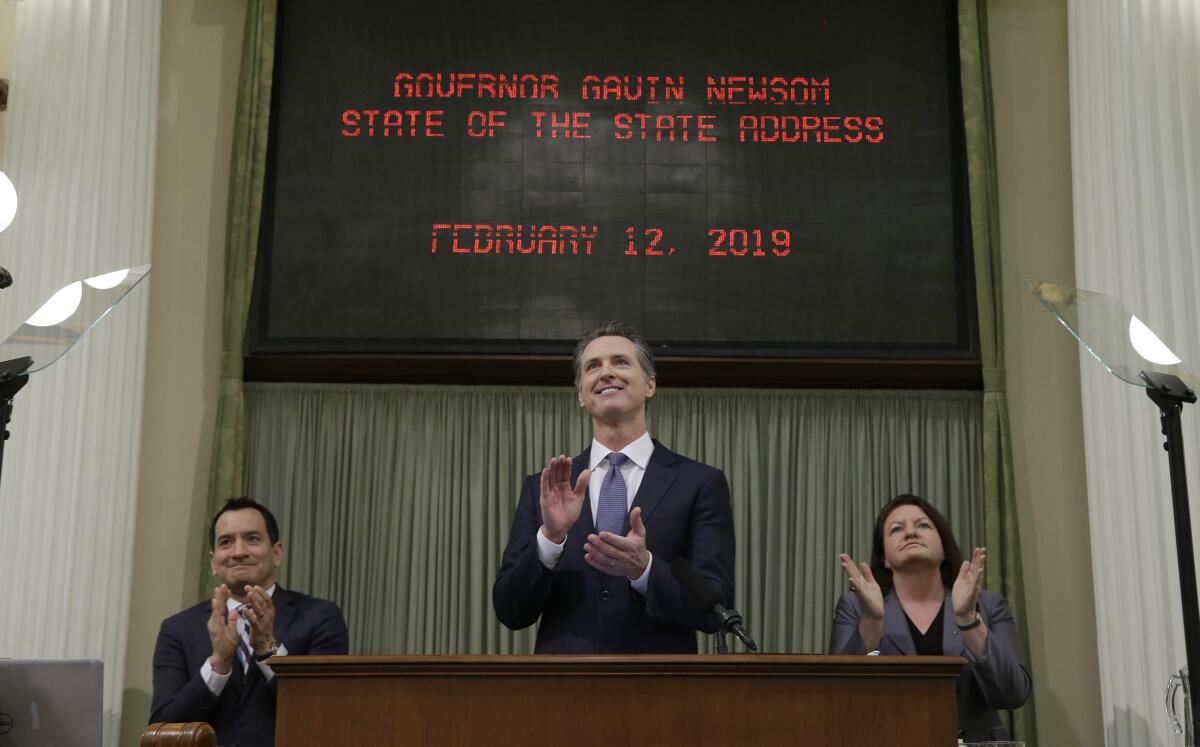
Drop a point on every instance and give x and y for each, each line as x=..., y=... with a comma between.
x=211, y=661
x=594, y=537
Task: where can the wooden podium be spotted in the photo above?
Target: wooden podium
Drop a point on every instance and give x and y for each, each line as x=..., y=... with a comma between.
x=834, y=701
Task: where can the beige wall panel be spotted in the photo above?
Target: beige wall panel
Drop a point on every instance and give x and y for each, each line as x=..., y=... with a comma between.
x=1029, y=76
x=201, y=53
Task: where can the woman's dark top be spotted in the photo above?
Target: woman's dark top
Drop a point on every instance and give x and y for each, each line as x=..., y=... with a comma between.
x=928, y=643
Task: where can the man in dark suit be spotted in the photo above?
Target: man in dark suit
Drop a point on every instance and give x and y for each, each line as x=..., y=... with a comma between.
x=211, y=661
x=593, y=537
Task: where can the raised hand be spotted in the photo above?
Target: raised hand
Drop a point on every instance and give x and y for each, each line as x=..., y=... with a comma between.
x=967, y=586
x=620, y=556
x=259, y=612
x=864, y=586
x=561, y=503
x=222, y=630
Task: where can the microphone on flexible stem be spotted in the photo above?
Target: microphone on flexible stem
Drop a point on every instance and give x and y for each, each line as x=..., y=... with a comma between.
x=710, y=599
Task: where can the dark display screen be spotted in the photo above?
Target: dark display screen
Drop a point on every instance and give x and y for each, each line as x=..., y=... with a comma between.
x=764, y=179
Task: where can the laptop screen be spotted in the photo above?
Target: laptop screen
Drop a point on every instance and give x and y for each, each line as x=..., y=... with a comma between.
x=46, y=702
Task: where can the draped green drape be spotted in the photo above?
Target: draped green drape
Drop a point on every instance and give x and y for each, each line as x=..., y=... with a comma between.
x=247, y=172
x=396, y=500
x=1004, y=569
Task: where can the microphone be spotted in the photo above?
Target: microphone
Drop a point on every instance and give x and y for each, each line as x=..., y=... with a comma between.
x=5, y=278
x=710, y=599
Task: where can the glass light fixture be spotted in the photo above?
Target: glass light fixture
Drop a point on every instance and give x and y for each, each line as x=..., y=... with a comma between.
x=1147, y=344
x=108, y=279
x=8, y=201
x=67, y=315
x=59, y=307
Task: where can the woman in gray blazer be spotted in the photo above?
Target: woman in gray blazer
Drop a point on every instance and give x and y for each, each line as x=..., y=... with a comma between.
x=918, y=596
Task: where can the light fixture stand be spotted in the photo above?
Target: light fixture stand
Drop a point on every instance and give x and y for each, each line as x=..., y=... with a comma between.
x=1170, y=394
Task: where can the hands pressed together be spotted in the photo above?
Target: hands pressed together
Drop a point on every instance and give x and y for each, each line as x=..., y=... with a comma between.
x=259, y=613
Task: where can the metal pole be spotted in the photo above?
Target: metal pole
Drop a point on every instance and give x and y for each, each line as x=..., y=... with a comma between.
x=1170, y=403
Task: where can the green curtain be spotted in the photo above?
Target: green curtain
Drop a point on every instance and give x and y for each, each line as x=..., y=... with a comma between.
x=1004, y=568
x=396, y=501
x=247, y=171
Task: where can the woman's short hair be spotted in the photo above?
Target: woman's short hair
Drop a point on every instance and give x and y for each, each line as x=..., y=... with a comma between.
x=952, y=559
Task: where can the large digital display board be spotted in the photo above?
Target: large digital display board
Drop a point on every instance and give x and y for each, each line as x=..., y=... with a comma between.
x=761, y=179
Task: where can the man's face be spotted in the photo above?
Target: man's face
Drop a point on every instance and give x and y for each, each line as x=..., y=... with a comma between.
x=612, y=384
x=243, y=554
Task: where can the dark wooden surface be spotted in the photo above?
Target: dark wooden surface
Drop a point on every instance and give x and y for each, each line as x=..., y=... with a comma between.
x=659, y=700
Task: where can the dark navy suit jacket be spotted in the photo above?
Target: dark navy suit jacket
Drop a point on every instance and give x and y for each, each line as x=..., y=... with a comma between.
x=686, y=511
x=244, y=714
x=999, y=680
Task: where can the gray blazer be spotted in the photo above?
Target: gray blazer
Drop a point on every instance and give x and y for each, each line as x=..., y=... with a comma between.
x=1000, y=680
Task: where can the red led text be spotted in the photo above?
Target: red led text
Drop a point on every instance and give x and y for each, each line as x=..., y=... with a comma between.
x=769, y=128
x=485, y=124
x=764, y=89
x=502, y=238
x=659, y=127
x=651, y=89
x=392, y=123
x=742, y=242
x=561, y=124
x=475, y=85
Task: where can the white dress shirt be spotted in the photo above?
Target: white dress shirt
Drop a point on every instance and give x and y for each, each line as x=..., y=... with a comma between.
x=638, y=452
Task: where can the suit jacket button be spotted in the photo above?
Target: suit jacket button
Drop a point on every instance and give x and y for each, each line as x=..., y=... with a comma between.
x=604, y=595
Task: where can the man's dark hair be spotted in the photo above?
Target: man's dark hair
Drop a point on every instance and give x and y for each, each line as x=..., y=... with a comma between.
x=614, y=328
x=952, y=558
x=237, y=504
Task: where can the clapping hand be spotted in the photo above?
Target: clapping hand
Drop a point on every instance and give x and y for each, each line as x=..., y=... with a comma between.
x=965, y=594
x=561, y=503
x=864, y=586
x=222, y=630
x=259, y=612
x=620, y=556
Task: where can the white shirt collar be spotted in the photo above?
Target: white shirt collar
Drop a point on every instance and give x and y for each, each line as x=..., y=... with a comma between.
x=232, y=604
x=638, y=451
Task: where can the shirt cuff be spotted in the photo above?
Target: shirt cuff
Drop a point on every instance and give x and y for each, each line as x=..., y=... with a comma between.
x=267, y=672
x=641, y=583
x=215, y=682
x=548, y=551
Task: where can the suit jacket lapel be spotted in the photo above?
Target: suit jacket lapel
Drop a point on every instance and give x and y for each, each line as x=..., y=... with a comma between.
x=895, y=625
x=655, y=483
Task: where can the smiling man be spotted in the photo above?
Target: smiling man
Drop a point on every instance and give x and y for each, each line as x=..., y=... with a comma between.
x=593, y=538
x=210, y=661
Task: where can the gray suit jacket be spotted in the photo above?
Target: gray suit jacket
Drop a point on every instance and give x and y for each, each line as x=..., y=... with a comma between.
x=1000, y=680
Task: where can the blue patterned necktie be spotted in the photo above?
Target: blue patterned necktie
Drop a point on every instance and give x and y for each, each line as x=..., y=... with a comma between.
x=613, y=505
x=244, y=651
